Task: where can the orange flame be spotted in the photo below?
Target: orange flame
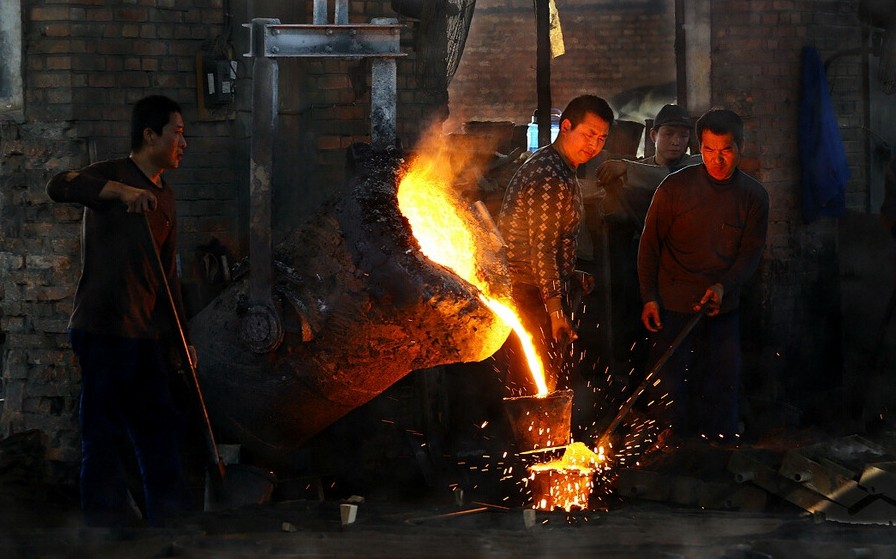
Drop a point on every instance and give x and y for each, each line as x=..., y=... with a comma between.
x=429, y=201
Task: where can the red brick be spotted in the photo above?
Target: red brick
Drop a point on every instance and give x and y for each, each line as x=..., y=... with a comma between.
x=59, y=62
x=133, y=79
x=98, y=14
x=149, y=64
x=165, y=81
x=101, y=80
x=49, y=80
x=131, y=14
x=50, y=13
x=53, y=46
x=129, y=31
x=333, y=82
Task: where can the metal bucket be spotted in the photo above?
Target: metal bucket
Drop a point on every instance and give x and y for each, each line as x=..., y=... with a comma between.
x=540, y=421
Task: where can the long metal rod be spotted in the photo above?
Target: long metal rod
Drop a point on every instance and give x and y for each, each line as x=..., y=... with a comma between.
x=633, y=397
x=265, y=101
x=340, y=12
x=319, y=14
x=187, y=355
x=383, y=95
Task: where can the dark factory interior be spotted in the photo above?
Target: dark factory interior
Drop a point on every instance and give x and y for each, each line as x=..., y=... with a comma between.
x=341, y=271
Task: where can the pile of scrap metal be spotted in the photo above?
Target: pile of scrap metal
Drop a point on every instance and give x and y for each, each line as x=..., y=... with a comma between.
x=845, y=480
x=849, y=479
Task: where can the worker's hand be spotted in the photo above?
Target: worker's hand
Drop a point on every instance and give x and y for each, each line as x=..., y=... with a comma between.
x=610, y=173
x=585, y=280
x=562, y=330
x=136, y=200
x=650, y=316
x=139, y=200
x=712, y=297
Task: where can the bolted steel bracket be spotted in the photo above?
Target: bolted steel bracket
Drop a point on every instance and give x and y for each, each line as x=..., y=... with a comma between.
x=261, y=329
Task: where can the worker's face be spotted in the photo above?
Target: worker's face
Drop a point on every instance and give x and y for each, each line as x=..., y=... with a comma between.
x=167, y=148
x=721, y=154
x=671, y=143
x=583, y=142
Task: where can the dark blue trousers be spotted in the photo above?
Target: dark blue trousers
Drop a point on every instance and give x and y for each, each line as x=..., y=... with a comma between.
x=702, y=377
x=126, y=396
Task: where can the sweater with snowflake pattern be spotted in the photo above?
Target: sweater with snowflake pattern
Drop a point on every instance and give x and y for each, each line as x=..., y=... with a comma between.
x=540, y=219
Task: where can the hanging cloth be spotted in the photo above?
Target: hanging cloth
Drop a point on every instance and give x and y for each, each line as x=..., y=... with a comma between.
x=825, y=169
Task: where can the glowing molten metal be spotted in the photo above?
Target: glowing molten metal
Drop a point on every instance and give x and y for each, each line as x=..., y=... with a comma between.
x=567, y=482
x=442, y=224
x=429, y=201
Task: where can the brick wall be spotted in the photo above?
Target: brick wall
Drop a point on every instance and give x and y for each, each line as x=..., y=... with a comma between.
x=792, y=311
x=611, y=46
x=325, y=107
x=85, y=63
x=38, y=264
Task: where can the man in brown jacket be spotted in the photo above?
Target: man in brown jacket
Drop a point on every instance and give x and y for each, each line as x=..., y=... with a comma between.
x=119, y=316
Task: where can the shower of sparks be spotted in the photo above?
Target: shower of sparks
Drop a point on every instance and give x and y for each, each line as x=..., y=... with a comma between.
x=425, y=194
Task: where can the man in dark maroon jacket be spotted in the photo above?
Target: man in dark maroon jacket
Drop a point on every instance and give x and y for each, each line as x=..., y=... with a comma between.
x=703, y=238
x=120, y=314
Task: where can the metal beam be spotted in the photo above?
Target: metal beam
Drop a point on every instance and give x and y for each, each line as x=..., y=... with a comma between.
x=260, y=327
x=326, y=41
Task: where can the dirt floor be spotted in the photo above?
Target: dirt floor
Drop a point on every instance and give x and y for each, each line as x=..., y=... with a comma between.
x=681, y=500
x=303, y=520
x=398, y=530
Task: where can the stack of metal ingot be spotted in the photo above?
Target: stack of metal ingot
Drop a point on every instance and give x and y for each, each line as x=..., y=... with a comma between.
x=849, y=479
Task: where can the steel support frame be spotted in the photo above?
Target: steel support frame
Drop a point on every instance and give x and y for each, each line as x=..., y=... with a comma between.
x=269, y=40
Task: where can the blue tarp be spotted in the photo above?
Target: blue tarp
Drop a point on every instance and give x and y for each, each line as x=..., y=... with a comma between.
x=825, y=169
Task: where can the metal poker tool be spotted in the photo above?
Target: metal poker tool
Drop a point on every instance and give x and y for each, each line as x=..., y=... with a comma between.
x=186, y=354
x=651, y=375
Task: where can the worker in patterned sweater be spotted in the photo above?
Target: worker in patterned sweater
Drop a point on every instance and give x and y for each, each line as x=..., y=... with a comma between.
x=539, y=220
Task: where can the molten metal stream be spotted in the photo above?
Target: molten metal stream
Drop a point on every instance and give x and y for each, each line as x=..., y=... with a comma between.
x=427, y=198
x=428, y=201
x=536, y=367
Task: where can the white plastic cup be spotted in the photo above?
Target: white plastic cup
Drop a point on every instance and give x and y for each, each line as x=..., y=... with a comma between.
x=348, y=513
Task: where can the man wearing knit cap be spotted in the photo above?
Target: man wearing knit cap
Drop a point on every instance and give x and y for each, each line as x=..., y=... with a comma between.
x=636, y=181
x=629, y=186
